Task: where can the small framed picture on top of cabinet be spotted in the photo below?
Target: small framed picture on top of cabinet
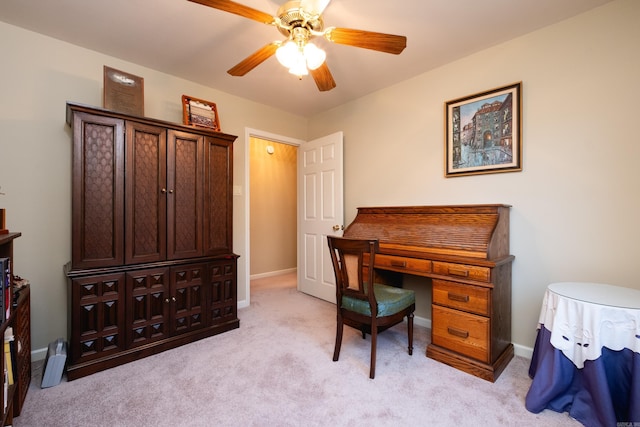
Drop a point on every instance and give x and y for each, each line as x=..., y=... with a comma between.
x=198, y=112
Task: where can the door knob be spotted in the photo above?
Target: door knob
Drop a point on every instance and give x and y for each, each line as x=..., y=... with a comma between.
x=338, y=227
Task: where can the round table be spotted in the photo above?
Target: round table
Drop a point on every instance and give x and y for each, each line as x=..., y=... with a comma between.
x=586, y=359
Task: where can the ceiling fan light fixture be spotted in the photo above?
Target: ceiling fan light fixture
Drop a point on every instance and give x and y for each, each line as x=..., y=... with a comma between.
x=314, y=55
x=300, y=59
x=299, y=68
x=287, y=54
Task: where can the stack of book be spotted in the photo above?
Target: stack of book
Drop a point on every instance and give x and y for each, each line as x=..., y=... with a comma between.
x=9, y=362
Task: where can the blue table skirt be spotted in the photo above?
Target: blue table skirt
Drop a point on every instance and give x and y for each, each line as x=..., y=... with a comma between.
x=606, y=392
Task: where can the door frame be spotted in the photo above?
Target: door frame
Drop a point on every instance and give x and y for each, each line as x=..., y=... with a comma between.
x=248, y=134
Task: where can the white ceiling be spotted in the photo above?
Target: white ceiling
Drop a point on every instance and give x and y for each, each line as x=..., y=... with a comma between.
x=200, y=44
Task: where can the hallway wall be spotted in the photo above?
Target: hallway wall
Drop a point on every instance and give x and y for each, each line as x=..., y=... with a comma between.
x=273, y=199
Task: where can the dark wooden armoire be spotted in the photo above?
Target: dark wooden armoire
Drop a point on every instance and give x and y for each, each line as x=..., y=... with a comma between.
x=152, y=264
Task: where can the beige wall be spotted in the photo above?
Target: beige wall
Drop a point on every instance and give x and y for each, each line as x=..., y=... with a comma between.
x=38, y=75
x=575, y=204
x=273, y=207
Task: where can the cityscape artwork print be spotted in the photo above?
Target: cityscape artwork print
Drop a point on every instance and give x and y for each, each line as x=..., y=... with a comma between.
x=483, y=132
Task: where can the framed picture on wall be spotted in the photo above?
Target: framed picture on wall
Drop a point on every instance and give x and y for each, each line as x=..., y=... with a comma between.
x=483, y=132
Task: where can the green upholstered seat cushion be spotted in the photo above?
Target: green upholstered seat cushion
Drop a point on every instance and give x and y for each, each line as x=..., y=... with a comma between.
x=390, y=300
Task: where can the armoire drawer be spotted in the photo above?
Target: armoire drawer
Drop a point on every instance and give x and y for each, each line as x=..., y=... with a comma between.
x=463, y=333
x=472, y=272
x=473, y=299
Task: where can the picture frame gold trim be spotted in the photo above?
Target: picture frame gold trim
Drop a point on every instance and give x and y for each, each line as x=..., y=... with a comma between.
x=483, y=132
x=123, y=92
x=201, y=113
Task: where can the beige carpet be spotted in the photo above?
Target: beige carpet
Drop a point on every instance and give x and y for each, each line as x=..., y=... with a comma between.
x=276, y=370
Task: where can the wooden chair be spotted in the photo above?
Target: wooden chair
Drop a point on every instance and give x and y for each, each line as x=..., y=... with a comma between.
x=361, y=303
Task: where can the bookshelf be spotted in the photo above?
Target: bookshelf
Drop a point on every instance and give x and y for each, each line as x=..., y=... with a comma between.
x=19, y=320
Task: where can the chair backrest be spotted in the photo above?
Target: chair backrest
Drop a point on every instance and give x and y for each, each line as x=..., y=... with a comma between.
x=354, y=278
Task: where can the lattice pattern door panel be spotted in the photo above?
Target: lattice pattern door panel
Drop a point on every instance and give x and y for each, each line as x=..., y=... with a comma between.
x=98, y=198
x=218, y=197
x=146, y=193
x=185, y=172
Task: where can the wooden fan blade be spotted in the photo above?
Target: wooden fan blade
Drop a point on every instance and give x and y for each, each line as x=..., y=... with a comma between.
x=323, y=78
x=238, y=9
x=381, y=42
x=255, y=59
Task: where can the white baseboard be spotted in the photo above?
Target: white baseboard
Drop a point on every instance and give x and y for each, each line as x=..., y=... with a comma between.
x=421, y=321
x=38, y=354
x=520, y=350
x=245, y=303
x=273, y=273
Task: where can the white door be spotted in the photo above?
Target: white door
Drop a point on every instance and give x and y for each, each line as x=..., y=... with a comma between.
x=320, y=213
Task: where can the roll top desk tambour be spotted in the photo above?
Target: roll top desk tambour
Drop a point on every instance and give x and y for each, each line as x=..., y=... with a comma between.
x=464, y=250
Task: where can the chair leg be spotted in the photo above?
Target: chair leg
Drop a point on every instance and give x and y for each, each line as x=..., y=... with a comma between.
x=410, y=332
x=339, y=329
x=374, y=342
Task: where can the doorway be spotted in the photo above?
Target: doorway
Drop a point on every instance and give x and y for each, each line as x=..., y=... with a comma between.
x=273, y=215
x=271, y=205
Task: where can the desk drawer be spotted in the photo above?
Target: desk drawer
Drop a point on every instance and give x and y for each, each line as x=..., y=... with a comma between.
x=464, y=271
x=397, y=263
x=474, y=299
x=464, y=333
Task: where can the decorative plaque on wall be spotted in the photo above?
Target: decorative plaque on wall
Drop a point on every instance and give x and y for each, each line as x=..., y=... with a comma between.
x=123, y=92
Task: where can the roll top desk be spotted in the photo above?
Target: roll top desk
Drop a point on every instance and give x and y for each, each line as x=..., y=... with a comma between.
x=464, y=250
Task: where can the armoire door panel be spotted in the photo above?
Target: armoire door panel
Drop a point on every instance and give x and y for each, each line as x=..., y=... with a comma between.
x=185, y=172
x=98, y=316
x=98, y=191
x=146, y=193
x=188, y=285
x=218, y=198
x=222, y=299
x=148, y=302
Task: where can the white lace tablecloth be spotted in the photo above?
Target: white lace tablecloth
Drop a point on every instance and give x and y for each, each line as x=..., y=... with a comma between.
x=585, y=317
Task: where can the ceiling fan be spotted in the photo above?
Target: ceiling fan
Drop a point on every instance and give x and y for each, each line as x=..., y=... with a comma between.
x=300, y=21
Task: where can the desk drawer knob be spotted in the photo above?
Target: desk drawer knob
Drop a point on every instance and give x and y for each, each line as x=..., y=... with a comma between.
x=458, y=297
x=402, y=264
x=458, y=332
